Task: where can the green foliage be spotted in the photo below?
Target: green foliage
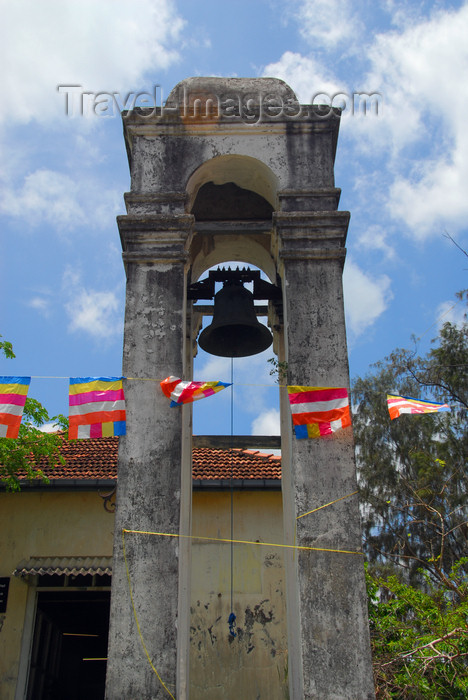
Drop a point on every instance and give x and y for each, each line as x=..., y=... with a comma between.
x=24, y=456
x=419, y=638
x=280, y=369
x=414, y=484
x=6, y=349
x=444, y=370
x=412, y=470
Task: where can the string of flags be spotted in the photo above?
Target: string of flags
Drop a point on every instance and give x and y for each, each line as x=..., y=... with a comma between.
x=181, y=392
x=97, y=405
x=318, y=411
x=397, y=405
x=13, y=394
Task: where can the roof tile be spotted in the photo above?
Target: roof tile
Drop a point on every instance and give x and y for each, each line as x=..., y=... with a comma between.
x=97, y=459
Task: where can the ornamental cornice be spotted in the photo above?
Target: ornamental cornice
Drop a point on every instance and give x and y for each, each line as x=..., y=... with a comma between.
x=149, y=257
x=155, y=196
x=155, y=203
x=153, y=239
x=313, y=254
x=311, y=235
x=311, y=222
x=155, y=223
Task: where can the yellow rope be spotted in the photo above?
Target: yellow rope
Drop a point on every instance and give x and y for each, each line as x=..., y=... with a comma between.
x=327, y=504
x=226, y=540
x=136, y=617
x=314, y=510
x=221, y=539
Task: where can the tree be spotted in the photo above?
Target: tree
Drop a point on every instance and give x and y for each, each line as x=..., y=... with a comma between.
x=21, y=458
x=413, y=483
x=412, y=470
x=419, y=638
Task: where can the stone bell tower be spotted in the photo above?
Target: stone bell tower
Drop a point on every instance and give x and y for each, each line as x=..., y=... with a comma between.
x=233, y=169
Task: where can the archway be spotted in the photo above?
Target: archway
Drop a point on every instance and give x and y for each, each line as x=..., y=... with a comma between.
x=233, y=199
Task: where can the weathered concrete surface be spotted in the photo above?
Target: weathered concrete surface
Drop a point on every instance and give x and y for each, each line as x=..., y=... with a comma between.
x=150, y=468
x=327, y=588
x=254, y=664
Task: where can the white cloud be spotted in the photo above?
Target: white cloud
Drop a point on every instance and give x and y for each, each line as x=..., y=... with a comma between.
x=41, y=305
x=93, y=312
x=97, y=313
x=214, y=368
x=45, y=197
x=366, y=297
x=267, y=423
x=306, y=76
x=403, y=14
x=104, y=46
x=418, y=71
x=375, y=238
x=327, y=22
x=436, y=197
x=54, y=198
x=451, y=312
x=49, y=428
x=420, y=128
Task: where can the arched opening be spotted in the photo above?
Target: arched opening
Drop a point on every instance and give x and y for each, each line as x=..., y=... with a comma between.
x=232, y=198
x=244, y=171
x=229, y=202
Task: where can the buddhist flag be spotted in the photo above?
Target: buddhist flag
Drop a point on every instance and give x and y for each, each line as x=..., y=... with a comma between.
x=97, y=407
x=318, y=411
x=185, y=392
x=405, y=404
x=13, y=394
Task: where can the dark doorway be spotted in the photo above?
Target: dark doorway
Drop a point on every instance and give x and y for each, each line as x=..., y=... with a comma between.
x=69, y=651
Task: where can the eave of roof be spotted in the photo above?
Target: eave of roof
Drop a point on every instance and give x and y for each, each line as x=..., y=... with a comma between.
x=92, y=464
x=64, y=566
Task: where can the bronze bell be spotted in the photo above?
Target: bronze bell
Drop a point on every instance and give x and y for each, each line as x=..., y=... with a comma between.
x=235, y=330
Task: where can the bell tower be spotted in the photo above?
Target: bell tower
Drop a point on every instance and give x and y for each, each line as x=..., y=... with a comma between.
x=233, y=169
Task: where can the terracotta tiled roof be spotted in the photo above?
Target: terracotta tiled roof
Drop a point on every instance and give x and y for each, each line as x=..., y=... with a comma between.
x=214, y=464
x=97, y=460
x=86, y=459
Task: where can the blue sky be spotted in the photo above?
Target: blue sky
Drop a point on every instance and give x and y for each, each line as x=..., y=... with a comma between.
x=403, y=172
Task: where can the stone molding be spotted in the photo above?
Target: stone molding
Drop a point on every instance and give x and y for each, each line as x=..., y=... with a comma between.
x=314, y=254
x=155, y=203
x=155, y=239
x=321, y=199
x=154, y=127
x=311, y=235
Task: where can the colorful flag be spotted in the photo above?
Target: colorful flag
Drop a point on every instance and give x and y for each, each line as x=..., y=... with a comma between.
x=405, y=404
x=13, y=394
x=185, y=392
x=318, y=411
x=97, y=407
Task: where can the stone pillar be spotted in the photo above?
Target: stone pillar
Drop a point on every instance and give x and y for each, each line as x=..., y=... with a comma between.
x=327, y=607
x=148, y=642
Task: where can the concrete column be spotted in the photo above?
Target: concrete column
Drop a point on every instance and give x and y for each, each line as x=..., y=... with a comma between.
x=329, y=640
x=148, y=641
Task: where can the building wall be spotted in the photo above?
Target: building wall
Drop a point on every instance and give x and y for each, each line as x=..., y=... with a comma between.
x=251, y=665
x=254, y=663
x=34, y=524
